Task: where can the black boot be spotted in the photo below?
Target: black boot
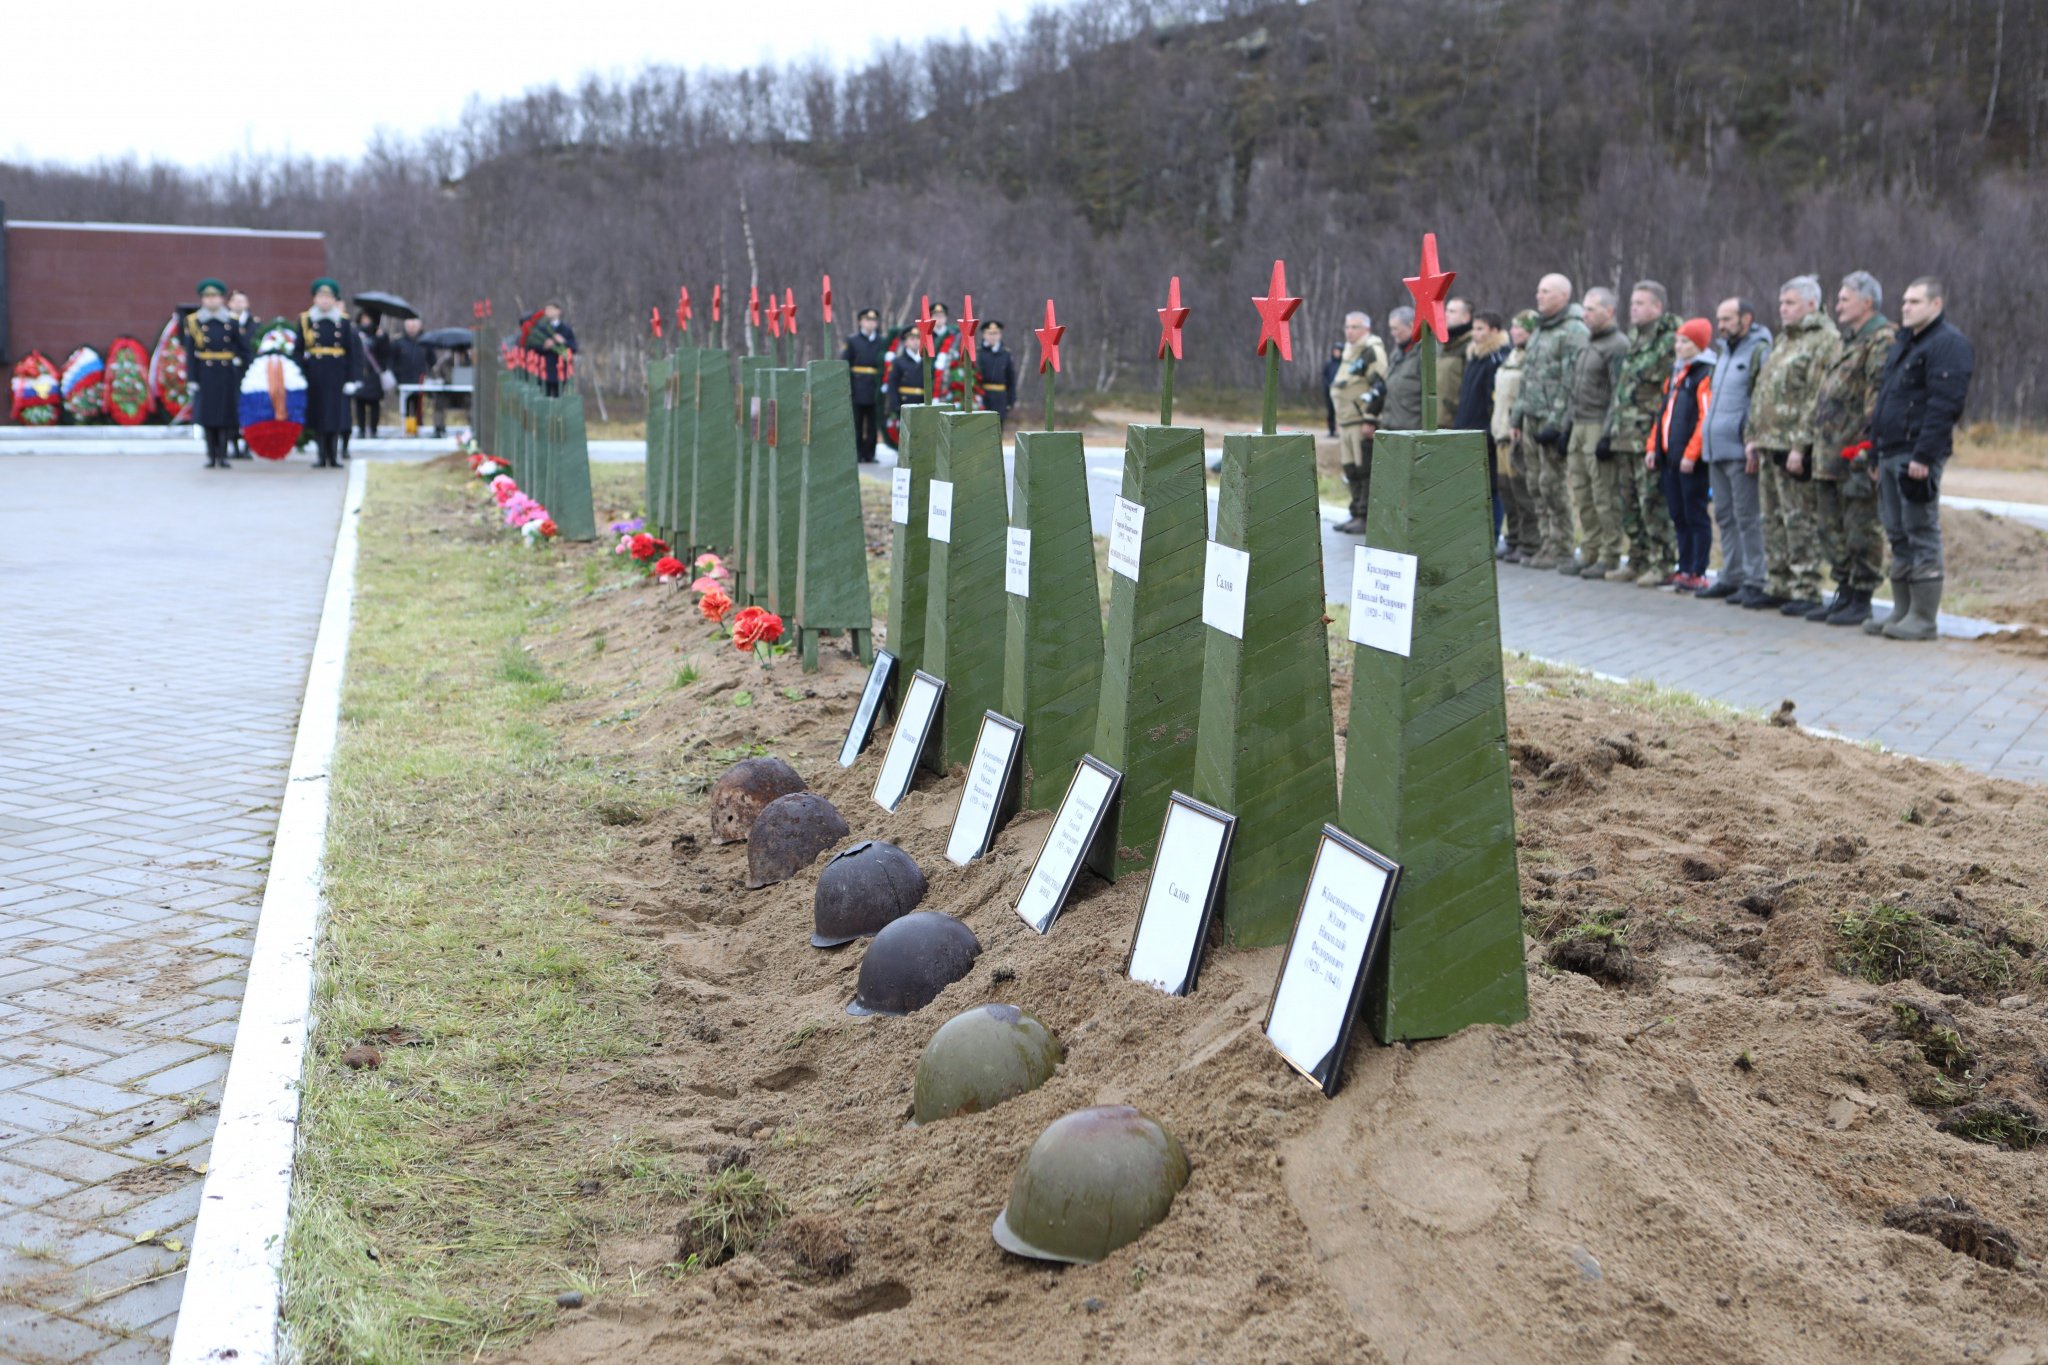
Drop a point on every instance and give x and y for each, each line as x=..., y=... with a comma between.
x=1854, y=610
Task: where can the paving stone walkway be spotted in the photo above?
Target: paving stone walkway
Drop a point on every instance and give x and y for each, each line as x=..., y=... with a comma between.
x=155, y=624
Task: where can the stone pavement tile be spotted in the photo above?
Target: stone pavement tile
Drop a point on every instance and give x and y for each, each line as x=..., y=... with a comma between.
x=144, y=1350
x=95, y=1097
x=133, y=1310
x=172, y=1139
x=144, y=1060
x=37, y=1338
x=89, y=1165
x=170, y=1210
x=60, y=1241
x=25, y=1187
x=21, y=1113
x=191, y=1076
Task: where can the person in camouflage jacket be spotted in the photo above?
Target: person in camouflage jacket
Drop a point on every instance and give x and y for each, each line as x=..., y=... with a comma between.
x=1543, y=413
x=1780, y=435
x=1638, y=398
x=1845, y=497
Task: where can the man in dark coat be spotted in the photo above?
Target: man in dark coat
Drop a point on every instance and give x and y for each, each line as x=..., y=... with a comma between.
x=555, y=341
x=864, y=354
x=1919, y=402
x=996, y=373
x=331, y=359
x=238, y=306
x=216, y=354
x=374, y=351
x=410, y=359
x=906, y=374
x=1488, y=348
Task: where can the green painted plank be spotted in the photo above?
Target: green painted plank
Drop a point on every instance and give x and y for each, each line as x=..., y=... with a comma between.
x=483, y=403
x=752, y=367
x=660, y=401
x=715, y=471
x=910, y=555
x=574, y=516
x=1150, y=704
x=964, y=621
x=682, y=446
x=832, y=545
x=1052, y=670
x=782, y=480
x=1426, y=773
x=1266, y=750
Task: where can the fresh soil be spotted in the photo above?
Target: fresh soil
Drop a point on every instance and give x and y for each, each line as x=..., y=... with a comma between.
x=1688, y=1154
x=1997, y=568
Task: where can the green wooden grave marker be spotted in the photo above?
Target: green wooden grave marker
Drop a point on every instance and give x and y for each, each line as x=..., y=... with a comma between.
x=1052, y=669
x=964, y=622
x=751, y=369
x=782, y=487
x=715, y=471
x=832, y=543
x=1426, y=778
x=483, y=403
x=682, y=447
x=660, y=400
x=910, y=554
x=573, y=515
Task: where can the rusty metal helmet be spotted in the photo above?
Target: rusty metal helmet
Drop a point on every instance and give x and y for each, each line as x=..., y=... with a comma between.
x=981, y=1057
x=863, y=887
x=1094, y=1181
x=911, y=960
x=743, y=791
x=789, y=835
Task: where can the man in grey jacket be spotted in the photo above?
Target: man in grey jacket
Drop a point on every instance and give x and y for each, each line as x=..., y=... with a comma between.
x=1731, y=469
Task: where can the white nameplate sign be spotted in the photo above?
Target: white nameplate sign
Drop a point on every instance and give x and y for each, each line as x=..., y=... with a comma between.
x=1343, y=916
x=1223, y=586
x=1382, y=599
x=899, y=495
x=862, y=727
x=913, y=728
x=1017, y=565
x=1126, y=537
x=990, y=773
x=1173, y=923
x=938, y=522
x=1073, y=833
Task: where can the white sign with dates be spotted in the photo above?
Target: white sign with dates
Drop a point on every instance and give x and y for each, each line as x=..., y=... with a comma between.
x=1173, y=922
x=1223, y=588
x=913, y=729
x=1383, y=599
x=938, y=522
x=1337, y=930
x=1074, y=831
x=1017, y=565
x=1126, y=537
x=899, y=495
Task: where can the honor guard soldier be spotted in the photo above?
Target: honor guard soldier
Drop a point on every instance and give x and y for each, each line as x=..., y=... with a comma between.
x=864, y=353
x=996, y=373
x=216, y=353
x=906, y=374
x=329, y=355
x=238, y=307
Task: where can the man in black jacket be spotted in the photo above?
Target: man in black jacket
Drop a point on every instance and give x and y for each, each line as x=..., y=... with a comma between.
x=996, y=373
x=1483, y=359
x=1919, y=402
x=410, y=358
x=864, y=354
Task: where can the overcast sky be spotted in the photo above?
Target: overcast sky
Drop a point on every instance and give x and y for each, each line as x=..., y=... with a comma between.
x=198, y=82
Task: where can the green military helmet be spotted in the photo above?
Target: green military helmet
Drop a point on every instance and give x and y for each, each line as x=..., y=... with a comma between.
x=1094, y=1181
x=743, y=791
x=862, y=889
x=981, y=1057
x=789, y=835
x=911, y=960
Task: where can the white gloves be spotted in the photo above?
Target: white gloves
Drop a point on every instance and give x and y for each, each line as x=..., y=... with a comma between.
x=351, y=388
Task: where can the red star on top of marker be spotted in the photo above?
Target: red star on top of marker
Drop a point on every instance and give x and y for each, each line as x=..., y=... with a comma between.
x=1429, y=288
x=754, y=304
x=826, y=299
x=774, y=317
x=925, y=325
x=683, y=307
x=967, y=322
x=654, y=319
x=717, y=301
x=789, y=311
x=1172, y=318
x=1274, y=310
x=1049, y=340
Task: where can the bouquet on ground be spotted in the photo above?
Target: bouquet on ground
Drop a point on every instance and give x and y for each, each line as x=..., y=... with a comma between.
x=488, y=467
x=752, y=630
x=643, y=548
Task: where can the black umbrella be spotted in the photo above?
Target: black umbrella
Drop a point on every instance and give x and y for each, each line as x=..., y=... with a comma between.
x=386, y=305
x=450, y=338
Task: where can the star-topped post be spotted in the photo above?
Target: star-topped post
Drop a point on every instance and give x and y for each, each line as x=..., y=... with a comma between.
x=1049, y=356
x=753, y=319
x=970, y=348
x=825, y=311
x=796, y=354
x=925, y=327
x=1276, y=339
x=1429, y=286
x=775, y=328
x=1172, y=318
x=654, y=320
x=683, y=309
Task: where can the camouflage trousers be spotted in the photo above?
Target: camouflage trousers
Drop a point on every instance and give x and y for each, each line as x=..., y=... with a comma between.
x=1646, y=519
x=1550, y=490
x=1851, y=536
x=1598, y=490
x=1518, y=499
x=1792, y=545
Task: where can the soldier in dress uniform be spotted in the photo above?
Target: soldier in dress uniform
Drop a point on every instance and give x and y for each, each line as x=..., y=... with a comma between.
x=329, y=355
x=906, y=374
x=996, y=371
x=238, y=306
x=864, y=354
x=216, y=354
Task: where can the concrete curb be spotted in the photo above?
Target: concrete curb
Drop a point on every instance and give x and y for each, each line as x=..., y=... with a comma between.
x=233, y=1285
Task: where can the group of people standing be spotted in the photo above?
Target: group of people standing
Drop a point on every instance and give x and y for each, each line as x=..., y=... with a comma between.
x=1809, y=452
x=890, y=372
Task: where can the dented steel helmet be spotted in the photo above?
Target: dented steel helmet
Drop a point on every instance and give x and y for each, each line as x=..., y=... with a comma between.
x=911, y=960
x=981, y=1057
x=1095, y=1180
x=743, y=791
x=789, y=835
x=862, y=888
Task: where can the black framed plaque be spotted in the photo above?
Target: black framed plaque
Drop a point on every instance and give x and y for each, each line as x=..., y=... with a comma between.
x=1337, y=931
x=1180, y=901
x=1075, y=828
x=861, y=728
x=921, y=702
x=991, y=782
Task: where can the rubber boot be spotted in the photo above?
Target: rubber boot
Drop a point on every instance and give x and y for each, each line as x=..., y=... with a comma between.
x=1919, y=623
x=1853, y=612
x=1902, y=603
